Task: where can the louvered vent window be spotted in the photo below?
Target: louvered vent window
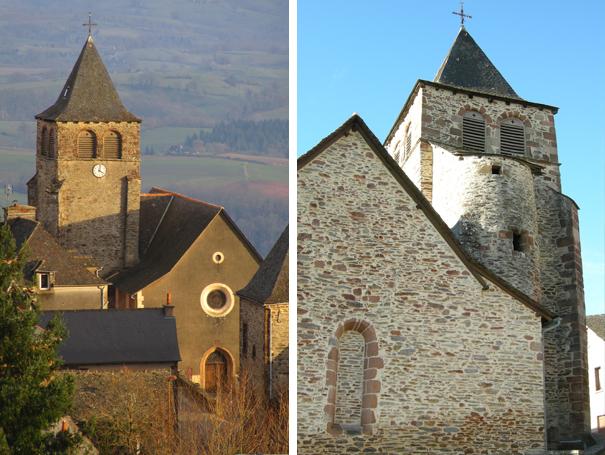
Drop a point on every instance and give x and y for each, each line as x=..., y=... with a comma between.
x=87, y=145
x=473, y=132
x=512, y=137
x=408, y=143
x=44, y=144
x=51, y=143
x=112, y=145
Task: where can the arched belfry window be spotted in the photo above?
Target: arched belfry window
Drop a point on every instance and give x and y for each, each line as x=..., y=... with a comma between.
x=87, y=144
x=51, y=143
x=473, y=132
x=512, y=136
x=112, y=145
x=44, y=142
x=353, y=378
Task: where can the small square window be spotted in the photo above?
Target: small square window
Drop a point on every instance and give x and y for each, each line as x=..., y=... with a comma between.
x=496, y=169
x=597, y=378
x=44, y=281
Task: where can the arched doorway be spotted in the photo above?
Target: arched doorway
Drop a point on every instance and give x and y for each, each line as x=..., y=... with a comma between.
x=216, y=370
x=215, y=374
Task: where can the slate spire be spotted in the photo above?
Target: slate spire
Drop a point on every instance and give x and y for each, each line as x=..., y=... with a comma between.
x=88, y=95
x=467, y=66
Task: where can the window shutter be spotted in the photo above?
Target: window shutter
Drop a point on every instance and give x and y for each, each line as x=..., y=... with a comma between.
x=512, y=137
x=51, y=144
x=87, y=145
x=473, y=132
x=112, y=146
x=44, y=144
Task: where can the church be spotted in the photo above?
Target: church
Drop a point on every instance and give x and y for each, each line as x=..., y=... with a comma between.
x=440, y=295
x=109, y=255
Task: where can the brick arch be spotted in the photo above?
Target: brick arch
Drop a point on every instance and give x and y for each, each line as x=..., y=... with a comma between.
x=372, y=384
x=509, y=114
x=479, y=109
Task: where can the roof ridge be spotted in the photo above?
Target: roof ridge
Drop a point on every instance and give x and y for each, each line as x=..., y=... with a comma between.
x=166, y=192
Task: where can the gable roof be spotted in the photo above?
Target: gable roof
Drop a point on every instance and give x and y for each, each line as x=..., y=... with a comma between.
x=45, y=254
x=270, y=282
x=88, y=94
x=480, y=272
x=104, y=337
x=170, y=223
x=596, y=323
x=467, y=66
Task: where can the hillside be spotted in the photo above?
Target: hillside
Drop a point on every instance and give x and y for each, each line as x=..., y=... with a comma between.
x=183, y=66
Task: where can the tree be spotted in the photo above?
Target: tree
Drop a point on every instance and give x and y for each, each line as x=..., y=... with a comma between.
x=33, y=394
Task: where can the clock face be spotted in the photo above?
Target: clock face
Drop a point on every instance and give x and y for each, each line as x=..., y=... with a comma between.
x=99, y=170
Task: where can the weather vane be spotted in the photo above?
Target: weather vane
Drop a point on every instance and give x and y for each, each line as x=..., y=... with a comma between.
x=89, y=24
x=461, y=14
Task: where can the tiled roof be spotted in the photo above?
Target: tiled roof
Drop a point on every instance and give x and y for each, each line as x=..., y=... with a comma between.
x=270, y=282
x=104, y=337
x=170, y=223
x=45, y=254
x=88, y=95
x=467, y=66
x=596, y=323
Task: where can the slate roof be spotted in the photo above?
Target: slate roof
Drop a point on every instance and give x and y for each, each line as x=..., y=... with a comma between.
x=88, y=94
x=270, y=282
x=480, y=272
x=467, y=66
x=105, y=337
x=170, y=223
x=596, y=323
x=45, y=254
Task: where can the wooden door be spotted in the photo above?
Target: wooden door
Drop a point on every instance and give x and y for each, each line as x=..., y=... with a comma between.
x=215, y=372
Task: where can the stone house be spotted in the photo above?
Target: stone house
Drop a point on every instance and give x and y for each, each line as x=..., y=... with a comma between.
x=404, y=341
x=63, y=279
x=595, y=326
x=264, y=320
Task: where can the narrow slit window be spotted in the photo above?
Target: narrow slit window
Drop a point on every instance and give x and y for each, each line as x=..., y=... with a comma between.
x=51, y=144
x=245, y=339
x=517, y=246
x=473, y=132
x=512, y=137
x=44, y=142
x=407, y=143
x=597, y=378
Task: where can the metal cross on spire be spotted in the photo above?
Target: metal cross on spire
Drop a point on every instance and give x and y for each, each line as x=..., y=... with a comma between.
x=461, y=14
x=89, y=24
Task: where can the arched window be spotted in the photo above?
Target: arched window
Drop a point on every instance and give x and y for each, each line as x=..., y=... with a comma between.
x=473, y=132
x=51, y=152
x=87, y=145
x=215, y=371
x=349, y=380
x=112, y=145
x=44, y=142
x=353, y=378
x=512, y=136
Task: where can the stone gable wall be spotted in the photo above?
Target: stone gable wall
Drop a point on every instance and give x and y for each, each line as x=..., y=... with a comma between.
x=279, y=333
x=456, y=368
x=253, y=368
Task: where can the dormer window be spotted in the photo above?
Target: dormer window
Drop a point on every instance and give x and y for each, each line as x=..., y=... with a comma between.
x=43, y=281
x=473, y=132
x=512, y=136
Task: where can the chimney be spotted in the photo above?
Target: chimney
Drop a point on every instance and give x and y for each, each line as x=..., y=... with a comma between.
x=168, y=307
x=20, y=211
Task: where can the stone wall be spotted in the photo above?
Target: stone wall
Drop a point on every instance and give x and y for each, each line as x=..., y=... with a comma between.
x=278, y=316
x=253, y=359
x=98, y=217
x=449, y=367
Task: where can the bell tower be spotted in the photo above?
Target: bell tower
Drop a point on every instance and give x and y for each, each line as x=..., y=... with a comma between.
x=87, y=184
x=487, y=160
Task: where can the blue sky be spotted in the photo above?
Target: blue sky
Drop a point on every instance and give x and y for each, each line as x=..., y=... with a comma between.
x=365, y=56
